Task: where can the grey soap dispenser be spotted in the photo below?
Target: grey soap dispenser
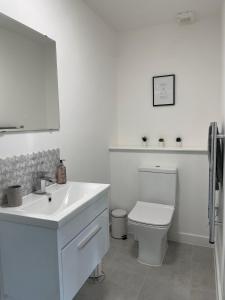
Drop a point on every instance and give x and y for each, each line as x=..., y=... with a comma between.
x=61, y=173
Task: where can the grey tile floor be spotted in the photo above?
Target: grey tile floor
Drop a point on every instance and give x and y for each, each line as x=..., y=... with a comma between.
x=187, y=274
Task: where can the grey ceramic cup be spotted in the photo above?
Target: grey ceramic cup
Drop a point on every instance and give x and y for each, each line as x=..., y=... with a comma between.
x=14, y=195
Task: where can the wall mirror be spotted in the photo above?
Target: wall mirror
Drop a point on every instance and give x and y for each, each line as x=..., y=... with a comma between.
x=28, y=79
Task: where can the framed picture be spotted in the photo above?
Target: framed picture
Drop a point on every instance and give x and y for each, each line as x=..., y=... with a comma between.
x=163, y=90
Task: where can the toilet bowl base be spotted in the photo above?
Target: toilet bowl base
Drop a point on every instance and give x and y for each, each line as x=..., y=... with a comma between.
x=152, y=244
x=153, y=265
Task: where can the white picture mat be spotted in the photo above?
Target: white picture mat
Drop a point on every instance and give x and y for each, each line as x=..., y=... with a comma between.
x=164, y=90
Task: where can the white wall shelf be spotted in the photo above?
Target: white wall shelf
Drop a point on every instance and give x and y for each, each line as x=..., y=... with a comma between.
x=157, y=149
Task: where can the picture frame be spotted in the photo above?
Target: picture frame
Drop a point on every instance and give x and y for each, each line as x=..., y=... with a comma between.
x=163, y=90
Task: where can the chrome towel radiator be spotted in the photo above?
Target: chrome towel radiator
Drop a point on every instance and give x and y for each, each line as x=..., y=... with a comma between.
x=215, y=155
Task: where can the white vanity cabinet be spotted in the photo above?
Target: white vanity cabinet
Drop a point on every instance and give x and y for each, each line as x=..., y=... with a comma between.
x=51, y=261
x=81, y=255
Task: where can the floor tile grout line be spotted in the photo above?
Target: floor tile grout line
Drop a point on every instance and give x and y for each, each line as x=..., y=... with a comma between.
x=191, y=275
x=192, y=255
x=141, y=288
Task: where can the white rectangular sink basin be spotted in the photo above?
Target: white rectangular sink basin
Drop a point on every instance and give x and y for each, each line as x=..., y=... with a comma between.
x=53, y=209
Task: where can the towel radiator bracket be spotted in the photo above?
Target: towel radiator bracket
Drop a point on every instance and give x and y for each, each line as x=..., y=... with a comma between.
x=220, y=136
x=218, y=223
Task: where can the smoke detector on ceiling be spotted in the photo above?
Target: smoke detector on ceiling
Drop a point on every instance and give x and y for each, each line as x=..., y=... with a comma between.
x=185, y=17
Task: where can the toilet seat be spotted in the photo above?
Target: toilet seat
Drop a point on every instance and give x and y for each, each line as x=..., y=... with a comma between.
x=151, y=214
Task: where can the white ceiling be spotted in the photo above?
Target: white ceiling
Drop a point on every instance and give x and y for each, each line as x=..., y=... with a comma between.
x=131, y=14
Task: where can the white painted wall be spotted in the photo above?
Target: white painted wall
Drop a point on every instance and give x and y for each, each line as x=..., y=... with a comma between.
x=86, y=69
x=220, y=228
x=192, y=52
x=190, y=223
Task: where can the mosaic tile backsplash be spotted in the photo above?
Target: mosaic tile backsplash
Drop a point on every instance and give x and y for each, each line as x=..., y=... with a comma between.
x=24, y=169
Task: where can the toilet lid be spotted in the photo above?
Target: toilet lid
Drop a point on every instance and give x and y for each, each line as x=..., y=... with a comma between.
x=151, y=213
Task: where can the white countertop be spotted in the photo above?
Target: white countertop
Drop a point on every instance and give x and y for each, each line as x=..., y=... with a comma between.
x=66, y=202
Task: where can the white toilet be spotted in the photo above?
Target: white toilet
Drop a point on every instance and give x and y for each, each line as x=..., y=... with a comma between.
x=152, y=215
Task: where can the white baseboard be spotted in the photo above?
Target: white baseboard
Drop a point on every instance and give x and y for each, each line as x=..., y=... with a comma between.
x=189, y=238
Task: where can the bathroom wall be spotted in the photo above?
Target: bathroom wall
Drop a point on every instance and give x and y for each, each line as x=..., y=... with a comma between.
x=86, y=72
x=192, y=53
x=220, y=228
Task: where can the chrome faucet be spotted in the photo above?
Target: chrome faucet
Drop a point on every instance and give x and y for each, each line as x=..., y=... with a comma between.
x=43, y=184
x=43, y=179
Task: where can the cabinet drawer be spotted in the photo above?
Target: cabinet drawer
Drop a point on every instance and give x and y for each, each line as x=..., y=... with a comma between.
x=81, y=255
x=73, y=227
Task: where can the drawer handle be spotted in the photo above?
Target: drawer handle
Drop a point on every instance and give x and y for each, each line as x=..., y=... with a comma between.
x=89, y=237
